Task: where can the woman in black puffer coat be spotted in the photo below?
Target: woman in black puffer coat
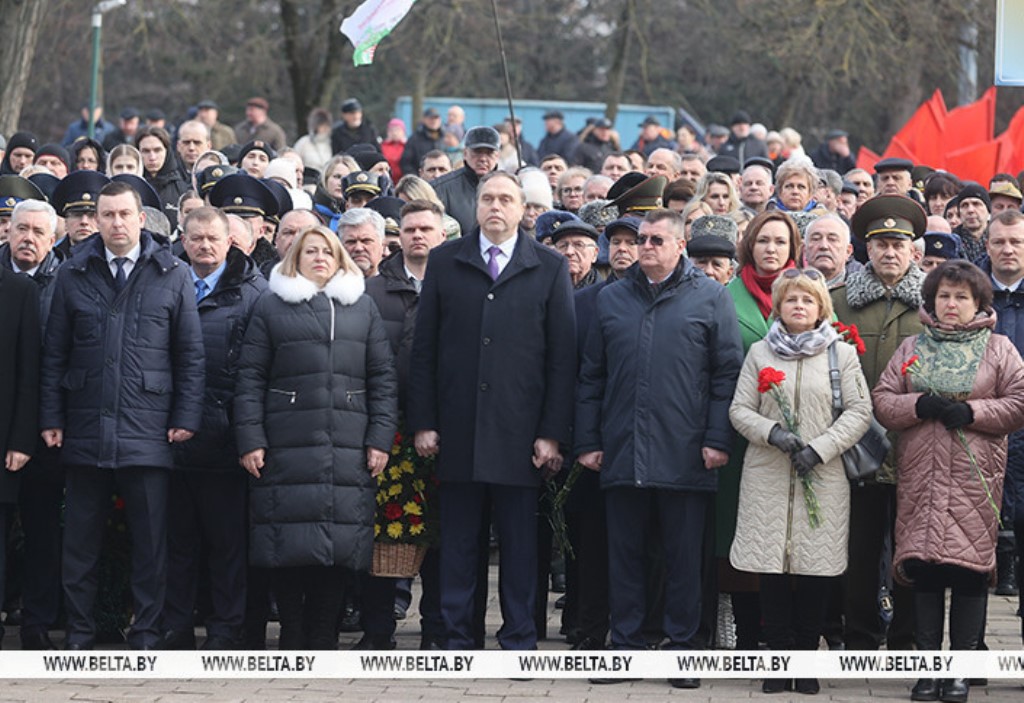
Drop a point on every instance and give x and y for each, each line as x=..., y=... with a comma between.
x=315, y=413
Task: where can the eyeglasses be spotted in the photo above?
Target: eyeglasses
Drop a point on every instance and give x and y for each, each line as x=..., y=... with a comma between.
x=813, y=274
x=564, y=245
x=656, y=240
x=573, y=190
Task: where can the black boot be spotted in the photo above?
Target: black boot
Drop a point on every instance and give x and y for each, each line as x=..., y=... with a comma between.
x=966, y=619
x=953, y=690
x=1006, y=565
x=925, y=690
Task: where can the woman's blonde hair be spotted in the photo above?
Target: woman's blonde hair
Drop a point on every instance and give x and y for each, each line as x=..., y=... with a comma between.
x=694, y=204
x=290, y=262
x=813, y=284
x=124, y=150
x=412, y=187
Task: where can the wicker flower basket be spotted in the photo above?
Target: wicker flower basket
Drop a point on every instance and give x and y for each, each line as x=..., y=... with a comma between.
x=397, y=560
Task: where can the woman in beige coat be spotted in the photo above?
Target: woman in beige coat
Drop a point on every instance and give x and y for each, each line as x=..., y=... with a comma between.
x=774, y=534
x=955, y=382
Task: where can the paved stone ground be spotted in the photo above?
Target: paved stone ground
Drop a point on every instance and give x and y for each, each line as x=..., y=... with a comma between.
x=1003, y=633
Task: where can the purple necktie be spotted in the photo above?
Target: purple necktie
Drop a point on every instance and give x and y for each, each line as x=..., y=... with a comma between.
x=492, y=263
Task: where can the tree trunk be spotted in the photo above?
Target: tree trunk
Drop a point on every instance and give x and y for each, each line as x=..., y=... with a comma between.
x=617, y=74
x=19, y=31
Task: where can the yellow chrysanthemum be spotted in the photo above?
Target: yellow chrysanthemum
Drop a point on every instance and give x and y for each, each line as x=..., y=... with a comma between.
x=381, y=498
x=394, y=473
x=396, y=450
x=395, y=490
x=376, y=531
x=406, y=466
x=394, y=530
x=412, y=508
x=416, y=529
x=418, y=485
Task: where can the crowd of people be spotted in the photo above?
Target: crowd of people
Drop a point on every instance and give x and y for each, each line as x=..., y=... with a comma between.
x=236, y=343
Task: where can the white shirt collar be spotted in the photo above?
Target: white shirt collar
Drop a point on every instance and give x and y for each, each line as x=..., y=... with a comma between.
x=506, y=247
x=132, y=255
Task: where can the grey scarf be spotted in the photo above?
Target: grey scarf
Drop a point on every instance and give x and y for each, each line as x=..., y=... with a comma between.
x=800, y=346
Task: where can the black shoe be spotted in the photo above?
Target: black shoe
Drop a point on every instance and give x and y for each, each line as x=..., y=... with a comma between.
x=13, y=617
x=37, y=641
x=572, y=636
x=558, y=583
x=588, y=643
x=809, y=686
x=684, y=683
x=977, y=682
x=399, y=612
x=431, y=643
x=776, y=685
x=608, y=682
x=221, y=643
x=78, y=647
x=953, y=690
x=925, y=690
x=350, y=621
x=178, y=640
x=375, y=643
x=560, y=602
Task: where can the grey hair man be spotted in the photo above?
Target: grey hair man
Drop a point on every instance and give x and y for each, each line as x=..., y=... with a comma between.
x=756, y=187
x=827, y=248
x=362, y=234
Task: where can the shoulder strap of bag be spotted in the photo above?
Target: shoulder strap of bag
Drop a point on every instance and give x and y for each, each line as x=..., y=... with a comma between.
x=833, y=375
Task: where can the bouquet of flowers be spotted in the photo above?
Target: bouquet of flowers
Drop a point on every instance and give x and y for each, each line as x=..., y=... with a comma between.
x=770, y=381
x=406, y=491
x=851, y=335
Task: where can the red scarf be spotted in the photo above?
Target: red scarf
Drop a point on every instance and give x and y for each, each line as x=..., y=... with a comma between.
x=761, y=286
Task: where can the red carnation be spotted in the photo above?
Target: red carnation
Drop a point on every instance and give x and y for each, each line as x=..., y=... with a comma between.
x=418, y=498
x=119, y=503
x=415, y=520
x=392, y=511
x=908, y=364
x=769, y=378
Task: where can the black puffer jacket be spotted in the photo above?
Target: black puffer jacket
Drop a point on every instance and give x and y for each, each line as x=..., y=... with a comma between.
x=420, y=143
x=120, y=369
x=457, y=192
x=396, y=298
x=224, y=315
x=169, y=184
x=344, y=138
x=316, y=386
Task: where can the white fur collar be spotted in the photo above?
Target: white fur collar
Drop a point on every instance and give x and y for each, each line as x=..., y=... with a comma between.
x=344, y=287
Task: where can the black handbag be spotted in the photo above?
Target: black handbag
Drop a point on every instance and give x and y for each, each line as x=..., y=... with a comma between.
x=864, y=458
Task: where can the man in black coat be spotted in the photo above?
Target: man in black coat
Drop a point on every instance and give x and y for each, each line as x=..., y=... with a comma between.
x=428, y=137
x=557, y=139
x=19, y=402
x=353, y=129
x=457, y=190
x=490, y=392
x=663, y=351
x=30, y=251
x=397, y=291
x=122, y=381
x=208, y=489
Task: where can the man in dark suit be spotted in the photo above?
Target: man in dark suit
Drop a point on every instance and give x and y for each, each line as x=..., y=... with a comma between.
x=491, y=393
x=123, y=375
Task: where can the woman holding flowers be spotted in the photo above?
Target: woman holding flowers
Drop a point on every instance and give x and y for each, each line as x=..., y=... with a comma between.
x=315, y=414
x=954, y=393
x=770, y=246
x=794, y=502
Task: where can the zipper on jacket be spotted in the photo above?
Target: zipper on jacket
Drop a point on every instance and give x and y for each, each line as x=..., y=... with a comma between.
x=331, y=302
x=792, y=473
x=291, y=394
x=349, y=394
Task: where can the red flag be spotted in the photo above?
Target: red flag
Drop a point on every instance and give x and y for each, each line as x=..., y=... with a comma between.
x=922, y=135
x=1011, y=153
x=866, y=159
x=900, y=150
x=971, y=125
x=976, y=162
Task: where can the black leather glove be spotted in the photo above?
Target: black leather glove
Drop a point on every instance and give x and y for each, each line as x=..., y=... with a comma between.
x=931, y=407
x=957, y=415
x=785, y=440
x=805, y=460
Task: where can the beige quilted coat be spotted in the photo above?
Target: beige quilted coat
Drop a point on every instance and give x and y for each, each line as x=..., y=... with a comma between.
x=773, y=534
x=942, y=513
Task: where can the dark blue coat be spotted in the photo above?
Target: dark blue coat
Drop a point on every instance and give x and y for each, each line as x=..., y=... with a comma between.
x=657, y=378
x=494, y=362
x=19, y=373
x=120, y=369
x=1009, y=309
x=224, y=314
x=44, y=277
